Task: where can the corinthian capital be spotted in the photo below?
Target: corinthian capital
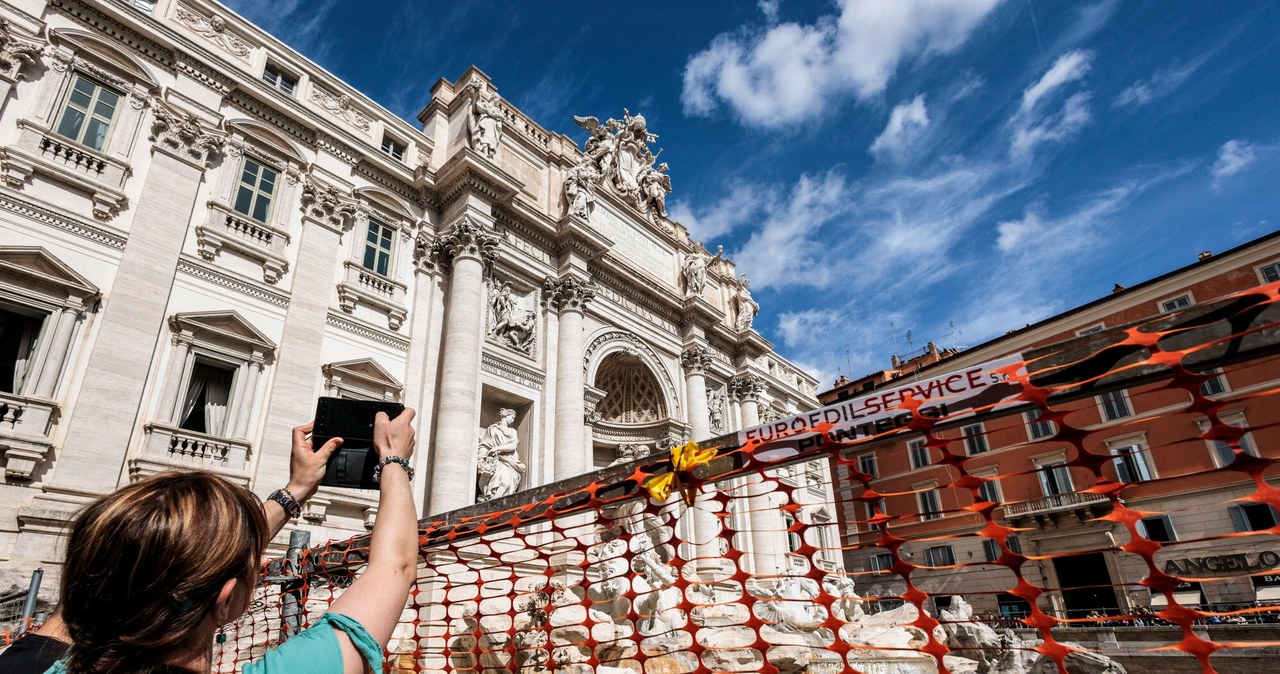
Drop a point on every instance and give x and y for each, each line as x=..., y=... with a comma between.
x=746, y=387
x=185, y=135
x=326, y=204
x=16, y=54
x=696, y=359
x=568, y=293
x=467, y=238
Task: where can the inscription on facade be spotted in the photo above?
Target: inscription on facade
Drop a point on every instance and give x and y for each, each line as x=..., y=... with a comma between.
x=633, y=245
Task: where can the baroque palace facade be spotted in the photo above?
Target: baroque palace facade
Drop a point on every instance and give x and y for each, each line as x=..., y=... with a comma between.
x=201, y=231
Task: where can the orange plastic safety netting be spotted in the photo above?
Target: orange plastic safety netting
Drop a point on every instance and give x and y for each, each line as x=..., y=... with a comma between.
x=1099, y=505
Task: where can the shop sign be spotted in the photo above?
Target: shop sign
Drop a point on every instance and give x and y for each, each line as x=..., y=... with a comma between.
x=1267, y=559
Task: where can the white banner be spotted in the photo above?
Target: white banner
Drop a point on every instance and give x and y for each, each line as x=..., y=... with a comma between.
x=952, y=395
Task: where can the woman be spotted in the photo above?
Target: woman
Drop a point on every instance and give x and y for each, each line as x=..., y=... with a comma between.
x=153, y=571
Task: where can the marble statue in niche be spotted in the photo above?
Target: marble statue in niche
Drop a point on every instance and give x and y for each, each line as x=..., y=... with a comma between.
x=499, y=467
x=579, y=189
x=694, y=269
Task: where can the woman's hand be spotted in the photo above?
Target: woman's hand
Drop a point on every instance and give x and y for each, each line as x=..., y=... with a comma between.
x=394, y=437
x=306, y=464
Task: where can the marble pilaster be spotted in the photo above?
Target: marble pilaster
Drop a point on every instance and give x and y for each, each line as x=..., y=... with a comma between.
x=569, y=296
x=695, y=360
x=110, y=395
x=468, y=245
x=326, y=214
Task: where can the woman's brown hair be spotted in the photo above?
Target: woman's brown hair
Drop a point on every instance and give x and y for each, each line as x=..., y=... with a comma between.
x=145, y=565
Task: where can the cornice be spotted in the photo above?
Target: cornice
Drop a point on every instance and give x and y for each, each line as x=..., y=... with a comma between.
x=200, y=71
x=521, y=374
x=394, y=183
x=467, y=171
x=367, y=331
x=94, y=233
x=92, y=17
x=635, y=290
x=196, y=270
x=337, y=148
x=246, y=102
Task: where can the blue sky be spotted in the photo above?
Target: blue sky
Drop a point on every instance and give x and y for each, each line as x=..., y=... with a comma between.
x=955, y=169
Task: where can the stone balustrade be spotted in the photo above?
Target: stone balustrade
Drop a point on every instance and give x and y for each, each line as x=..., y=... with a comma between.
x=184, y=448
x=25, y=424
x=1054, y=503
x=226, y=228
x=362, y=286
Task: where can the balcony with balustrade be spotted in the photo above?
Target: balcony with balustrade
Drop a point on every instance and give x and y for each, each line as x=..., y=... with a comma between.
x=228, y=229
x=1076, y=506
x=361, y=286
x=40, y=150
x=25, y=425
x=168, y=448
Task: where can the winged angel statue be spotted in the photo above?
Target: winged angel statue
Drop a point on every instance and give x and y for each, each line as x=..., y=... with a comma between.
x=617, y=154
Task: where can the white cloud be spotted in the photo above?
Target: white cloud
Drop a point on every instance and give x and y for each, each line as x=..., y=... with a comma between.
x=907, y=123
x=1055, y=128
x=1069, y=67
x=1233, y=157
x=1035, y=123
x=787, y=249
x=770, y=9
x=1157, y=86
x=736, y=208
x=789, y=72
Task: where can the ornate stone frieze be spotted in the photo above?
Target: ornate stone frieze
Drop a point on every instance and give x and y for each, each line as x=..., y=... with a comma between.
x=341, y=106
x=570, y=293
x=214, y=29
x=468, y=238
x=16, y=53
x=185, y=134
x=717, y=401
x=328, y=205
x=64, y=61
x=510, y=371
x=512, y=319
x=696, y=359
x=484, y=127
x=617, y=155
x=746, y=387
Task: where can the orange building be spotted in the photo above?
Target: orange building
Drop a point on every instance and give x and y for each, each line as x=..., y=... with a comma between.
x=1185, y=481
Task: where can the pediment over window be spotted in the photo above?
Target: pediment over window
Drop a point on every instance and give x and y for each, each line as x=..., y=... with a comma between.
x=226, y=328
x=363, y=377
x=106, y=53
x=33, y=269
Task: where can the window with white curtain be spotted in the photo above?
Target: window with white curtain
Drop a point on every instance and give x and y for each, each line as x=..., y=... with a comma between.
x=207, y=398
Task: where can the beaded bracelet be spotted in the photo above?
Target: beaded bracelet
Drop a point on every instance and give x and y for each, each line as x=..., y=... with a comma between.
x=400, y=460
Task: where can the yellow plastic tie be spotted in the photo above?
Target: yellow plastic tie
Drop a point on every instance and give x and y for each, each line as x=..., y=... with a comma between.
x=684, y=458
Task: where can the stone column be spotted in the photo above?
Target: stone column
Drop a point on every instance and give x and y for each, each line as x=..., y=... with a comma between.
x=469, y=246
x=426, y=320
x=695, y=360
x=55, y=359
x=767, y=545
x=110, y=396
x=568, y=296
